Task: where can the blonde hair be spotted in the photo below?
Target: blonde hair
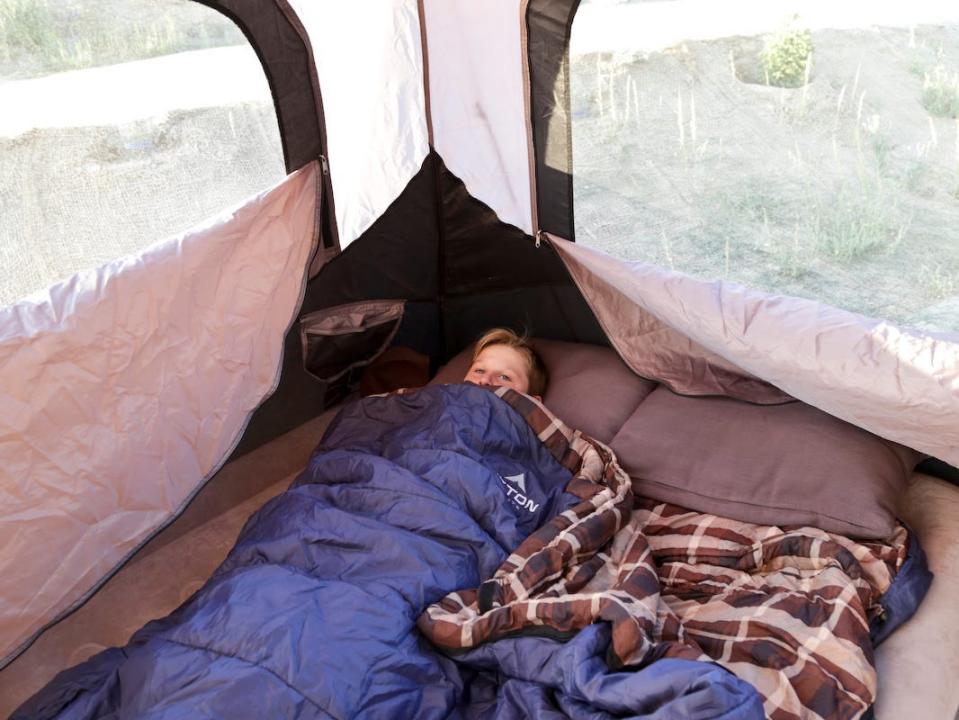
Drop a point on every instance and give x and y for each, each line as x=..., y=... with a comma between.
x=538, y=377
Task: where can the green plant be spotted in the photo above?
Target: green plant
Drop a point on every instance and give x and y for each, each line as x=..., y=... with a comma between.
x=44, y=36
x=787, y=58
x=940, y=92
x=791, y=256
x=882, y=148
x=25, y=27
x=939, y=282
x=853, y=224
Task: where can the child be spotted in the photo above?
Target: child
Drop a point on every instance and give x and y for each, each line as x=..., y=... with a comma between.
x=503, y=358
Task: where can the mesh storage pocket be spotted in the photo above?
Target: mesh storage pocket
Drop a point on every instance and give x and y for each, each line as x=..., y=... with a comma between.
x=340, y=339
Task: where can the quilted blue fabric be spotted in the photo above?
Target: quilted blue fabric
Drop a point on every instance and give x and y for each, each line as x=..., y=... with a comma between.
x=313, y=613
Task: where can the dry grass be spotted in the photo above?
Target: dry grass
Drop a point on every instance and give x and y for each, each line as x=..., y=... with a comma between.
x=76, y=197
x=38, y=37
x=842, y=189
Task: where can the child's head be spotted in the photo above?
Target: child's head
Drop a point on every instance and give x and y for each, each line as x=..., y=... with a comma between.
x=502, y=357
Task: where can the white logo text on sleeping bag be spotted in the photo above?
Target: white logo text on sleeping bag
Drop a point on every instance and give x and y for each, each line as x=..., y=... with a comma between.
x=516, y=491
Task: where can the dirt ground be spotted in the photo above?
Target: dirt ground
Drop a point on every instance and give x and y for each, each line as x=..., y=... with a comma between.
x=845, y=190
x=167, y=123
x=75, y=198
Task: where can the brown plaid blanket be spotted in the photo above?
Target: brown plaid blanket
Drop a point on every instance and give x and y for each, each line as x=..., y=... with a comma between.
x=786, y=609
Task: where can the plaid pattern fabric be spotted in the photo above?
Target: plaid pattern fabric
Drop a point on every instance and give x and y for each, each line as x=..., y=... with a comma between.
x=786, y=609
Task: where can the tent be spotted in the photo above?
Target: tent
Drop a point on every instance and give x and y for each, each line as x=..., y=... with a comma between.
x=433, y=184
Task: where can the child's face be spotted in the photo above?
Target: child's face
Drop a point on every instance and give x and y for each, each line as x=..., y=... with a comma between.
x=500, y=365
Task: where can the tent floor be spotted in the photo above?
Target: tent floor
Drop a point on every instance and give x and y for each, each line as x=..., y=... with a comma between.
x=917, y=665
x=169, y=568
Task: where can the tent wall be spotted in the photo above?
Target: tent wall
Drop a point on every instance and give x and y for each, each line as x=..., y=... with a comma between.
x=281, y=43
x=125, y=388
x=437, y=243
x=492, y=274
x=453, y=255
x=397, y=257
x=459, y=234
x=478, y=113
x=370, y=67
x=897, y=383
x=549, y=24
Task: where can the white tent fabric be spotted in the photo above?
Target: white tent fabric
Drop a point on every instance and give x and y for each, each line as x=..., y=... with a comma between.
x=127, y=386
x=894, y=382
x=370, y=64
x=475, y=61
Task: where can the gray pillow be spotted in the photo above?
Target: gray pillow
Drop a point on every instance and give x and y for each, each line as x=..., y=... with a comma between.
x=590, y=388
x=778, y=465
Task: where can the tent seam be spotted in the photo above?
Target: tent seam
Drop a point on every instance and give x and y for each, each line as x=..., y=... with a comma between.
x=424, y=51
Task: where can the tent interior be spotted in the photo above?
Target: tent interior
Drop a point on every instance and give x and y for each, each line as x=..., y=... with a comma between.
x=442, y=158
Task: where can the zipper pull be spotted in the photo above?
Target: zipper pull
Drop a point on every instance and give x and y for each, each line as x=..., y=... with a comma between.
x=324, y=165
x=540, y=238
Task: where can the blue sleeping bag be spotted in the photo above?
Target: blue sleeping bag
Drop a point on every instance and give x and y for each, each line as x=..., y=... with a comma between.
x=313, y=613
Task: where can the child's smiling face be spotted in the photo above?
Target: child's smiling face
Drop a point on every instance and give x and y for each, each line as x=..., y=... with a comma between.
x=498, y=366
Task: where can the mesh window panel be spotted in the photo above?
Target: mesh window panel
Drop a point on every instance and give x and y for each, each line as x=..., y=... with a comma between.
x=124, y=122
x=813, y=152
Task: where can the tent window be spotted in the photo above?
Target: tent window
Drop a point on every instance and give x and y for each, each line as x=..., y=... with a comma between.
x=124, y=122
x=813, y=154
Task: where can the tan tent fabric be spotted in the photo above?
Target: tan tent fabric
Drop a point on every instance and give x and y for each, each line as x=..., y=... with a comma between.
x=652, y=348
x=125, y=387
x=898, y=383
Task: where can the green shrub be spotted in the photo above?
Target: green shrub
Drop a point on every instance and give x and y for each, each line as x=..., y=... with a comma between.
x=940, y=92
x=25, y=27
x=786, y=59
x=856, y=222
x=43, y=36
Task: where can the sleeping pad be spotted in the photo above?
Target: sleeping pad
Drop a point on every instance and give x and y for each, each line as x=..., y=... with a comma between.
x=410, y=500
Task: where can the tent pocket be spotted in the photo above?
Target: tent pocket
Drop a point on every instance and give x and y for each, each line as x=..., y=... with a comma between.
x=338, y=340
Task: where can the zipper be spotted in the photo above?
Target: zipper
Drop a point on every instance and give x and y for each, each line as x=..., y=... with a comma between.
x=528, y=118
x=330, y=235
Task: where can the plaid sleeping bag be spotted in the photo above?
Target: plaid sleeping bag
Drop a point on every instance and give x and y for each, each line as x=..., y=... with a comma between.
x=790, y=610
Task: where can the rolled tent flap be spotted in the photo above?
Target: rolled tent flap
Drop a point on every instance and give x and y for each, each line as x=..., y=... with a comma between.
x=649, y=346
x=124, y=388
x=898, y=383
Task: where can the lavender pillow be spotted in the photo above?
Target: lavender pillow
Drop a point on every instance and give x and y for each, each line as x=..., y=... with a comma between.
x=590, y=388
x=775, y=464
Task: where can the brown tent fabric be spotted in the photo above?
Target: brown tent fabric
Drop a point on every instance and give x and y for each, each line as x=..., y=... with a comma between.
x=898, y=384
x=653, y=349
